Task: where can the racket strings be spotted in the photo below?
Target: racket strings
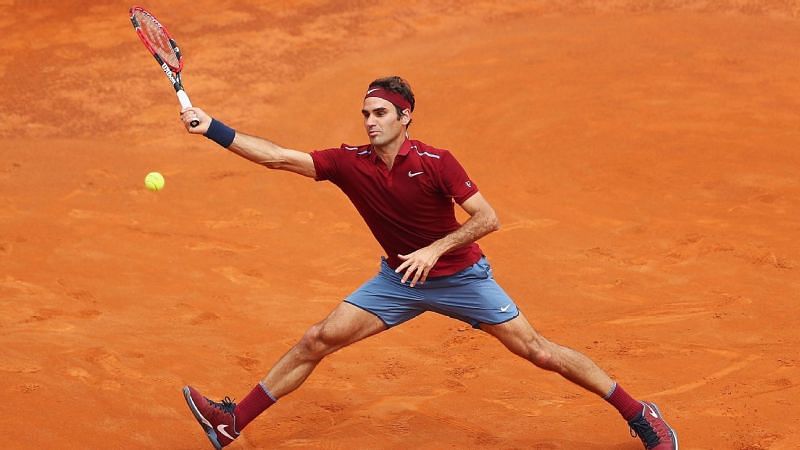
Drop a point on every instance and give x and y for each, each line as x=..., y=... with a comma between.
x=157, y=38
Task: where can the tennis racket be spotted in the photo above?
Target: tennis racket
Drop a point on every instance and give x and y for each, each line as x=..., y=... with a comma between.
x=163, y=48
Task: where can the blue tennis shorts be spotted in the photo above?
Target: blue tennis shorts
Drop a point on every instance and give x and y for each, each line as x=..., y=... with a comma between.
x=472, y=296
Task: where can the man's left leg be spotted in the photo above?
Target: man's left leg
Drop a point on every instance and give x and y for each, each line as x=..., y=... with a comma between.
x=519, y=336
x=643, y=417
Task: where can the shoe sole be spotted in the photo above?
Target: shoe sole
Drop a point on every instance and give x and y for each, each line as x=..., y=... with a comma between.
x=212, y=435
x=674, y=434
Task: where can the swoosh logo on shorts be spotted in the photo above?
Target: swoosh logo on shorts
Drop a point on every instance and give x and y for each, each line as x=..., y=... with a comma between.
x=505, y=308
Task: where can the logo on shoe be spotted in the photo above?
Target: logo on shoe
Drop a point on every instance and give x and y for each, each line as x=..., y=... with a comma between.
x=221, y=429
x=652, y=412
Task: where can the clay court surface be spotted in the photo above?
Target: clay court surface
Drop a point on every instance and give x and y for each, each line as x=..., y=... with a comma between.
x=642, y=157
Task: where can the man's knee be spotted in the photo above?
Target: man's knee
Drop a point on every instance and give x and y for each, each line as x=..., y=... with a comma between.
x=317, y=342
x=539, y=351
x=542, y=358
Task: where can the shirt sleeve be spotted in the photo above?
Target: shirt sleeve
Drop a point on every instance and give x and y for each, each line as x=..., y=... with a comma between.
x=455, y=181
x=326, y=164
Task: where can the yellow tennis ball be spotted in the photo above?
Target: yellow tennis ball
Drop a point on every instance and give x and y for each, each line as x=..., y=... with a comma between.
x=154, y=181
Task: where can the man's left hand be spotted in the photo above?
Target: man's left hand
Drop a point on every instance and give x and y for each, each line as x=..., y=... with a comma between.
x=418, y=264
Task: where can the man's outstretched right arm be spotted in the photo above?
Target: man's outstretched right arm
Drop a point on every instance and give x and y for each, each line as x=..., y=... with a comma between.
x=258, y=150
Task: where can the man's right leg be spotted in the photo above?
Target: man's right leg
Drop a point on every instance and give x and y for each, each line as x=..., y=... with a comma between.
x=223, y=421
x=346, y=325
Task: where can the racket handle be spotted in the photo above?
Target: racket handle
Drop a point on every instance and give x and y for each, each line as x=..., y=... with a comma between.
x=186, y=103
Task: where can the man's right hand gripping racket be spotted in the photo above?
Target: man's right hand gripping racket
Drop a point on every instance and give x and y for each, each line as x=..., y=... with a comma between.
x=163, y=48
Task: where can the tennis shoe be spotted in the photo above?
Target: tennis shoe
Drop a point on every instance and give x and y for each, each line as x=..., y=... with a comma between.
x=217, y=418
x=651, y=428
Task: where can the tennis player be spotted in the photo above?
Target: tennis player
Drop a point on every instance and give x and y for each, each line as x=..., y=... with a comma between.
x=406, y=192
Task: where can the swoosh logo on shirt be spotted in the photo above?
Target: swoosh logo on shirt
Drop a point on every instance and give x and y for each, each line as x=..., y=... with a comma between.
x=413, y=174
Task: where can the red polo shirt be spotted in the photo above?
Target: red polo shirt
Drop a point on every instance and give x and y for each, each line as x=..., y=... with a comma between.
x=408, y=207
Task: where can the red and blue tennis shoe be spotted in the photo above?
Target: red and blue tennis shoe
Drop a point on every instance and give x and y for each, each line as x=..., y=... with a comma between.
x=651, y=428
x=217, y=418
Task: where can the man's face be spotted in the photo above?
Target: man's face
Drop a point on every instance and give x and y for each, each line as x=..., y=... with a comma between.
x=380, y=121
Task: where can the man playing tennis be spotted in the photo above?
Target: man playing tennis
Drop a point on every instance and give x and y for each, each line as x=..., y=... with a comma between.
x=405, y=191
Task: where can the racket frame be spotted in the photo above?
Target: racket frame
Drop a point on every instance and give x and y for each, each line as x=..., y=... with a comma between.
x=172, y=73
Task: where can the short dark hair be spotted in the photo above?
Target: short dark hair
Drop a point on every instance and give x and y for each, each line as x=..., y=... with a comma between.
x=398, y=85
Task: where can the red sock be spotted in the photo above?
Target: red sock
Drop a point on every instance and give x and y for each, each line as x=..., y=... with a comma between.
x=258, y=400
x=625, y=404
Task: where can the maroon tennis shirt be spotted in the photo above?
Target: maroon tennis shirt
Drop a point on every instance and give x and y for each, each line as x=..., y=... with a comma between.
x=408, y=207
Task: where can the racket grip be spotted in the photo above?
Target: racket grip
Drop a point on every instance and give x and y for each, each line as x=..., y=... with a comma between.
x=186, y=103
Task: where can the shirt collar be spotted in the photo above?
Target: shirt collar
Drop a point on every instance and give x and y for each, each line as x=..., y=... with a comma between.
x=405, y=147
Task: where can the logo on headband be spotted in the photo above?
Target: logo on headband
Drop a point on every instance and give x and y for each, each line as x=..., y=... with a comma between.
x=390, y=96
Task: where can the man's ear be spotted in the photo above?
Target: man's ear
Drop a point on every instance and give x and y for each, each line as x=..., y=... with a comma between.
x=406, y=117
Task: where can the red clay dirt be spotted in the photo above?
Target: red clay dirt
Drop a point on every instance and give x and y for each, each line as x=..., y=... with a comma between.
x=642, y=157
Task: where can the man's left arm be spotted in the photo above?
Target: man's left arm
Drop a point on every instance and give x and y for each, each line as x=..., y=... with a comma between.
x=482, y=221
